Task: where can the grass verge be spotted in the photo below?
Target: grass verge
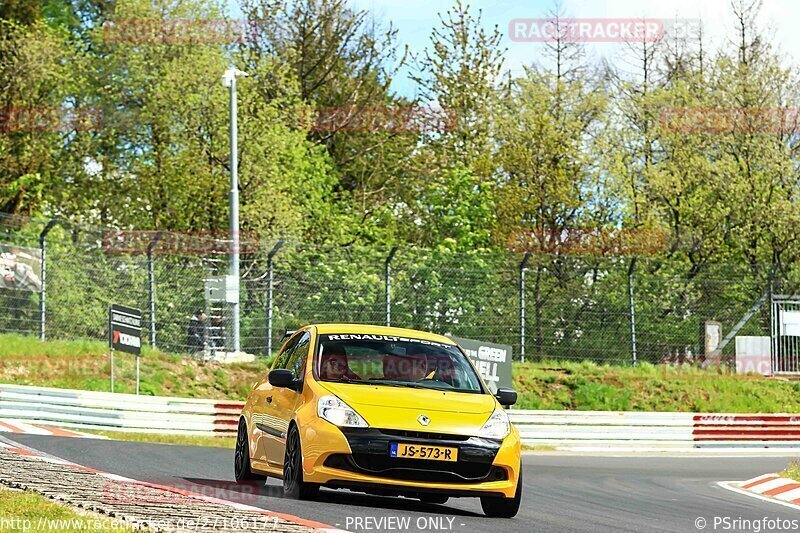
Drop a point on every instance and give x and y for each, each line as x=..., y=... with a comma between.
x=28, y=511
x=186, y=440
x=647, y=387
x=792, y=471
x=540, y=385
x=538, y=448
x=85, y=365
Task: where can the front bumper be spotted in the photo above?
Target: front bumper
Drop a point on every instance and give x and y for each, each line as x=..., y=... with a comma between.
x=359, y=459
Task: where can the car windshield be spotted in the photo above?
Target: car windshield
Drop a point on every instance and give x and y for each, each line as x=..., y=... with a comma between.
x=395, y=362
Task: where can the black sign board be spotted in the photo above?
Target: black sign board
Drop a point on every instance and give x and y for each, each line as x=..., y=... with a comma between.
x=125, y=329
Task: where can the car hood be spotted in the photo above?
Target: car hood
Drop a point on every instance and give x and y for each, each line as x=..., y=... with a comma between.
x=400, y=408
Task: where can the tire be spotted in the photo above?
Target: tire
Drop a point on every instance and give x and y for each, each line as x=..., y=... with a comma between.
x=437, y=499
x=293, y=485
x=241, y=456
x=503, y=507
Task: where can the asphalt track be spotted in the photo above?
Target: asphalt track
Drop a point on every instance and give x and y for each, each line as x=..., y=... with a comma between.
x=561, y=493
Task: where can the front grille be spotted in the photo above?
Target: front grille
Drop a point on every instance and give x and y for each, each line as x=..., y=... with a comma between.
x=415, y=469
x=423, y=435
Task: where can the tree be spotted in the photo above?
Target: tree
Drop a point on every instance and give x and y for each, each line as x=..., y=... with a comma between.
x=163, y=150
x=549, y=186
x=42, y=124
x=460, y=72
x=23, y=12
x=343, y=62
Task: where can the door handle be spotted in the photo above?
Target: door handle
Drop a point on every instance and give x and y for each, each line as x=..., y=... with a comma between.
x=269, y=399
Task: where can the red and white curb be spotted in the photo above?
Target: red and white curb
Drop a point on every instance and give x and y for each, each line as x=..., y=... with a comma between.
x=210, y=499
x=769, y=487
x=24, y=428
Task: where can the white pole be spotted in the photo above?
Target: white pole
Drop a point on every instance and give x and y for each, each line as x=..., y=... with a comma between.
x=229, y=80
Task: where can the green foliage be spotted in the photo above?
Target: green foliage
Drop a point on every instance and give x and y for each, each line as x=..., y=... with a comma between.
x=39, y=73
x=164, y=438
x=30, y=507
x=84, y=365
x=556, y=148
x=455, y=213
x=792, y=471
x=647, y=387
x=551, y=149
x=542, y=385
x=459, y=71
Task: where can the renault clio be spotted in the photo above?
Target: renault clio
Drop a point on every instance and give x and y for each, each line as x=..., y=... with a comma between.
x=380, y=410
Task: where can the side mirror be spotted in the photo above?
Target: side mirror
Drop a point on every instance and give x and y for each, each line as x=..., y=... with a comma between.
x=506, y=396
x=280, y=377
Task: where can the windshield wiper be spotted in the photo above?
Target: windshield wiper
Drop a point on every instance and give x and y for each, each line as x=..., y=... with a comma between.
x=409, y=384
x=376, y=381
x=349, y=380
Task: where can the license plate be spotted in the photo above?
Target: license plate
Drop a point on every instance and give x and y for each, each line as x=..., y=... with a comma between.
x=422, y=451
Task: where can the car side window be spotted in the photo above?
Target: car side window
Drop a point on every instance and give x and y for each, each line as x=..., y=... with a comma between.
x=286, y=353
x=297, y=359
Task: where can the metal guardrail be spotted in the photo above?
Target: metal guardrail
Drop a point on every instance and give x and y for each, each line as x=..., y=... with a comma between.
x=118, y=412
x=563, y=430
x=606, y=430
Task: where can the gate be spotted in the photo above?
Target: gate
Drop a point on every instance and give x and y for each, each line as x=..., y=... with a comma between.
x=785, y=313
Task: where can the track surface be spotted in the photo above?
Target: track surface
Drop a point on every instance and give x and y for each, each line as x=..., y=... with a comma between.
x=561, y=493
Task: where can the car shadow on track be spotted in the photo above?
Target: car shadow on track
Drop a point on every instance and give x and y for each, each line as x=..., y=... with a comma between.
x=398, y=503
x=249, y=493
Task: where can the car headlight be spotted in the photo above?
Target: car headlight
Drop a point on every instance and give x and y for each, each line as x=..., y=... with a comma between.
x=338, y=413
x=497, y=427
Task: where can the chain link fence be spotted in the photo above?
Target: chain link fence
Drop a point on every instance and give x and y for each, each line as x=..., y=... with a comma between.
x=599, y=308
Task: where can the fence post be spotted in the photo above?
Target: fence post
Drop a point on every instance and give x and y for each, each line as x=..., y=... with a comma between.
x=522, y=267
x=151, y=279
x=270, y=264
x=632, y=311
x=388, y=279
x=773, y=333
x=43, y=293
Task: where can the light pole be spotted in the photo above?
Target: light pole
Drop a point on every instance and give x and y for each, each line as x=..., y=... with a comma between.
x=229, y=80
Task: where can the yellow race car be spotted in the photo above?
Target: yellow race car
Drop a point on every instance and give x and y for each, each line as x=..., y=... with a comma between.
x=381, y=410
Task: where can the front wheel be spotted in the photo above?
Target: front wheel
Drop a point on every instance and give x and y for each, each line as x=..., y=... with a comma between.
x=503, y=507
x=241, y=456
x=293, y=484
